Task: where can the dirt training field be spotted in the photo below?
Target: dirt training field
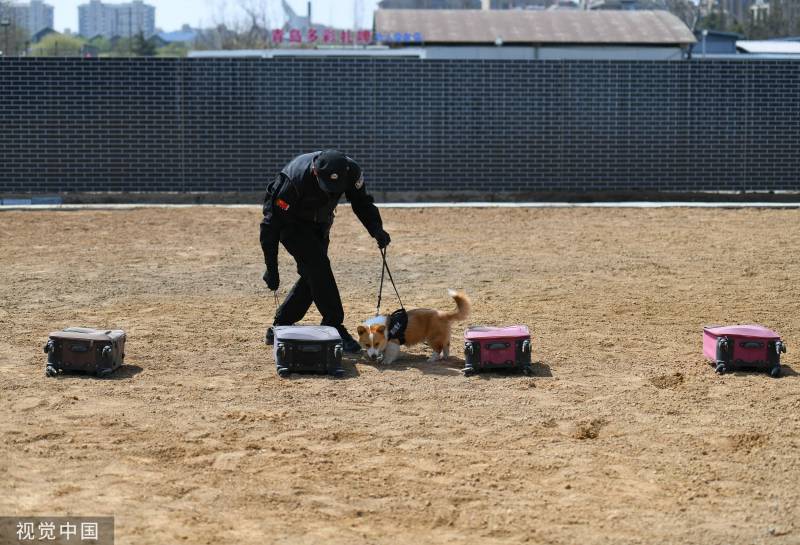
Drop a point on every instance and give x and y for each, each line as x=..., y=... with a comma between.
x=624, y=435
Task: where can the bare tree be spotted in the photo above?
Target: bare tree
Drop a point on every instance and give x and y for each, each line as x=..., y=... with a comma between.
x=685, y=10
x=248, y=30
x=429, y=4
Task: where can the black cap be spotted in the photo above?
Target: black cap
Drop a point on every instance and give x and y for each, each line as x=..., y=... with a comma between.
x=334, y=171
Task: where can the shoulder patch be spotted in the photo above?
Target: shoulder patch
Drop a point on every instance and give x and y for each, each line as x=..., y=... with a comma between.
x=360, y=182
x=283, y=205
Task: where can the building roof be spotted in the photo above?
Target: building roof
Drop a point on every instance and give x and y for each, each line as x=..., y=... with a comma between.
x=718, y=34
x=178, y=36
x=540, y=27
x=715, y=42
x=37, y=37
x=769, y=46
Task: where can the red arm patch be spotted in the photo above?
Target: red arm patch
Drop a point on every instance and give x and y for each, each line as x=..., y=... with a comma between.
x=283, y=205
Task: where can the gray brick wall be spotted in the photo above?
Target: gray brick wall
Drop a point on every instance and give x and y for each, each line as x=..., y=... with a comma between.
x=230, y=124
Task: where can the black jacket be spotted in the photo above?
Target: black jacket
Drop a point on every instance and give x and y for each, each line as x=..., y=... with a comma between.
x=295, y=196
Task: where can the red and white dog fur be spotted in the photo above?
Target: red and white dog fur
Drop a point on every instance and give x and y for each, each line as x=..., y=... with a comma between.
x=424, y=325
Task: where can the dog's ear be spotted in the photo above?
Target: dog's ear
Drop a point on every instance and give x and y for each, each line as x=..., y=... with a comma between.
x=361, y=330
x=381, y=329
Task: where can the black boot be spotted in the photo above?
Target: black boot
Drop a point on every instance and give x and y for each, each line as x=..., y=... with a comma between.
x=349, y=344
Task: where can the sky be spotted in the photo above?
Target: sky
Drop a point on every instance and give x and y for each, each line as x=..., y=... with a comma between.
x=171, y=14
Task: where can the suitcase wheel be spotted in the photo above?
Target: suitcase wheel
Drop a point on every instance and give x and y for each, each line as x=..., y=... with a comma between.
x=468, y=371
x=104, y=372
x=284, y=372
x=721, y=369
x=527, y=370
x=338, y=372
x=50, y=371
x=775, y=372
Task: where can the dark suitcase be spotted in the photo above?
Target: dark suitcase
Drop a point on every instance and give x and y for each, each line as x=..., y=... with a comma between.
x=754, y=347
x=82, y=349
x=497, y=348
x=307, y=349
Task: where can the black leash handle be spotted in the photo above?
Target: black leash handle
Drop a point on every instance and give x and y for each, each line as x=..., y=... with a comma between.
x=385, y=269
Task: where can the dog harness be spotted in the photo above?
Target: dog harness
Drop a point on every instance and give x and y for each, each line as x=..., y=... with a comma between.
x=398, y=322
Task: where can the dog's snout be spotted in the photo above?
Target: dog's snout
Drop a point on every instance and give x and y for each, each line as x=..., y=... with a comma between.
x=373, y=357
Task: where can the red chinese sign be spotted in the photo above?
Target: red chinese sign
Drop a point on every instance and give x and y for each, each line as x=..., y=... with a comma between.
x=327, y=37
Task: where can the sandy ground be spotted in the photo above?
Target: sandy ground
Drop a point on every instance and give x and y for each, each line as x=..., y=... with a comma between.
x=624, y=435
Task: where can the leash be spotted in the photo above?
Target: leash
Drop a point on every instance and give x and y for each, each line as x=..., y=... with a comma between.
x=385, y=269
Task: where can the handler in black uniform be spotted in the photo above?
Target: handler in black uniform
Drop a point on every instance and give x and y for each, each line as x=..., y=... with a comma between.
x=299, y=208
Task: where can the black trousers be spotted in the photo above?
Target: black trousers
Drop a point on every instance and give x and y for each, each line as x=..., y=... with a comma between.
x=308, y=245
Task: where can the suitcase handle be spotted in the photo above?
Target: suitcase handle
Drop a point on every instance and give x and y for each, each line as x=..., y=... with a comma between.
x=78, y=348
x=49, y=347
x=497, y=346
x=751, y=344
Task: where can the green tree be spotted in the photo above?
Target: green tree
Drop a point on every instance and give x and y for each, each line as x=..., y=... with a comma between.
x=738, y=28
x=13, y=38
x=178, y=49
x=120, y=47
x=712, y=21
x=142, y=47
x=58, y=45
x=782, y=20
x=102, y=44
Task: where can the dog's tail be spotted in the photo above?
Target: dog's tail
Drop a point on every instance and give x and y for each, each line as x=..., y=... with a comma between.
x=463, y=305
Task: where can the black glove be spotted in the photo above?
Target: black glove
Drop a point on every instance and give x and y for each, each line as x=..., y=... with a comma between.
x=272, y=278
x=383, y=239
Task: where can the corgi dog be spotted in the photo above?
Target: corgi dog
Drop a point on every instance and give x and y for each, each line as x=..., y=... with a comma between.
x=424, y=325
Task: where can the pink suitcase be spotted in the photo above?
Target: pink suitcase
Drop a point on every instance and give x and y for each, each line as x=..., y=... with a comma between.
x=497, y=348
x=743, y=347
